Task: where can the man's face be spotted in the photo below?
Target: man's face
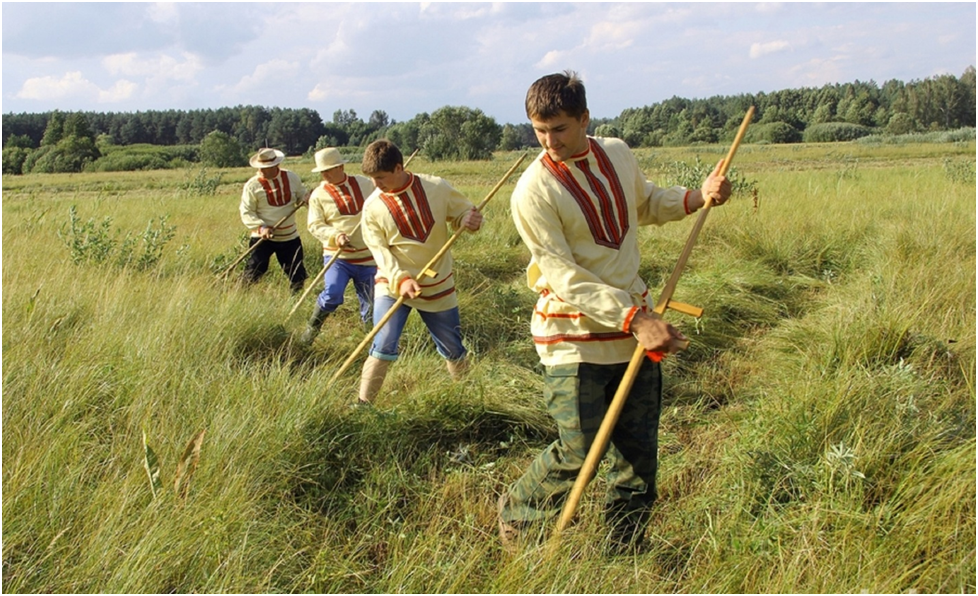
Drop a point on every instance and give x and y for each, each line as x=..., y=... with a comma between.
x=269, y=173
x=334, y=175
x=562, y=136
x=391, y=181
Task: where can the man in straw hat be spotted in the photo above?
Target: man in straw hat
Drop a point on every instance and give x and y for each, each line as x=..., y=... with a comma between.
x=270, y=195
x=578, y=208
x=404, y=225
x=334, y=219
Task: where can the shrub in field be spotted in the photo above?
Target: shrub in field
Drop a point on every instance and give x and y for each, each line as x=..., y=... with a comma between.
x=202, y=184
x=693, y=175
x=95, y=242
x=88, y=241
x=145, y=252
x=831, y=132
x=959, y=171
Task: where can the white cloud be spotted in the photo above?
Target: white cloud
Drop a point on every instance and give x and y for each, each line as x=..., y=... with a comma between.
x=816, y=71
x=160, y=67
x=606, y=35
x=318, y=93
x=772, y=47
x=266, y=74
x=551, y=58
x=72, y=84
x=338, y=88
x=120, y=91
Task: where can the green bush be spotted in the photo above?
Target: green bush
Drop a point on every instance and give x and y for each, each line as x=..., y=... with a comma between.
x=961, y=135
x=222, y=150
x=773, y=132
x=120, y=162
x=832, y=132
x=70, y=154
x=13, y=159
x=142, y=156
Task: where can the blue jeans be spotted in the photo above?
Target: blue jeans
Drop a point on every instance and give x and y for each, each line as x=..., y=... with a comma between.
x=444, y=327
x=336, y=280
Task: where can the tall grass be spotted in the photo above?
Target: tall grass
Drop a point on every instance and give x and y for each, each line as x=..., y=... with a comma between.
x=818, y=436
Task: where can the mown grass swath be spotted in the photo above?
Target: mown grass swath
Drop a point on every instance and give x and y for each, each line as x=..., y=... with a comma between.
x=818, y=435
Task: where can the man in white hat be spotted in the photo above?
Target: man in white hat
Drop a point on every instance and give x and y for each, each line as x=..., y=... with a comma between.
x=267, y=198
x=334, y=219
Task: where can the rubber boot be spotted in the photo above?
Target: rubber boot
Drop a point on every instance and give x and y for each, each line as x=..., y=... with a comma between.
x=313, y=327
x=372, y=378
x=457, y=368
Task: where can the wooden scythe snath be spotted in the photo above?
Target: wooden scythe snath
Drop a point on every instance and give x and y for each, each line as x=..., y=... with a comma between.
x=332, y=261
x=426, y=271
x=601, y=440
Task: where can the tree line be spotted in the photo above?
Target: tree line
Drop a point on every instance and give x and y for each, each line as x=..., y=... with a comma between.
x=224, y=137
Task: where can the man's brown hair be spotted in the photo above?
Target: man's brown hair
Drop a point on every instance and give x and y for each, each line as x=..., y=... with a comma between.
x=381, y=156
x=556, y=93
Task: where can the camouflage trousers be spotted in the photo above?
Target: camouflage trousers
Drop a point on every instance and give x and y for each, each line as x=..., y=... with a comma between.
x=577, y=397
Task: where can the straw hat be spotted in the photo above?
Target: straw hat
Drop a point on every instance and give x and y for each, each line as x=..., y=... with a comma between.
x=327, y=159
x=266, y=158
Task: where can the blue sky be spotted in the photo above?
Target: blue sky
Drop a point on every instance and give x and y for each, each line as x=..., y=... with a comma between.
x=407, y=58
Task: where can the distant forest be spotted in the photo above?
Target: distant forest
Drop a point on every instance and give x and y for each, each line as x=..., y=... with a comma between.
x=225, y=136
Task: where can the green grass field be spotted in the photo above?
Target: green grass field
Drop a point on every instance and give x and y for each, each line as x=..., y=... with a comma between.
x=818, y=435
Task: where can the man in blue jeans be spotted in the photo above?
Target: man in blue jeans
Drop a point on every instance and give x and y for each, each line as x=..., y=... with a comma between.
x=334, y=219
x=404, y=226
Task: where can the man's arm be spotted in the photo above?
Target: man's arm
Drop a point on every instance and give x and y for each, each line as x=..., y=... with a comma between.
x=318, y=221
x=661, y=205
x=460, y=211
x=249, y=211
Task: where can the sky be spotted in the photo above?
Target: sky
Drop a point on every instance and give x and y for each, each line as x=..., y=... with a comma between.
x=405, y=58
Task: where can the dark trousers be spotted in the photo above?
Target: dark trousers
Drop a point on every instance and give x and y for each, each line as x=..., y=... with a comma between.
x=289, y=254
x=577, y=398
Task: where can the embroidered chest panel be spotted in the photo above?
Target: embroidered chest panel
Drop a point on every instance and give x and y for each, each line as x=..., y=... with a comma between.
x=411, y=211
x=278, y=192
x=601, y=199
x=347, y=196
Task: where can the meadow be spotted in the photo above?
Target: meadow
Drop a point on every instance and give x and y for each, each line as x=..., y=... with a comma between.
x=818, y=435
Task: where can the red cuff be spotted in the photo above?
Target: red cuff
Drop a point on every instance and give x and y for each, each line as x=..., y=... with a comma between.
x=686, y=202
x=628, y=319
x=400, y=281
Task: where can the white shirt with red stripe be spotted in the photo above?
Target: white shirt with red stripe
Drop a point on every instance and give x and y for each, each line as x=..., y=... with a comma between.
x=265, y=202
x=405, y=229
x=336, y=209
x=580, y=218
